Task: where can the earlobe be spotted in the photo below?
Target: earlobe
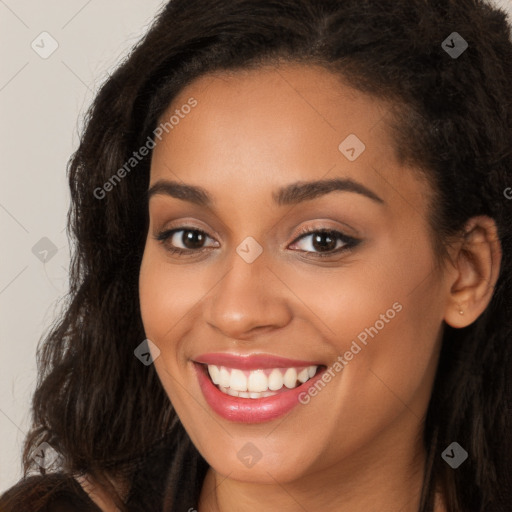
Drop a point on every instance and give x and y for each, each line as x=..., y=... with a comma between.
x=477, y=266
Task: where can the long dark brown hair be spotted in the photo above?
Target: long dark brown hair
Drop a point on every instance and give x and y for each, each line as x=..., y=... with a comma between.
x=103, y=410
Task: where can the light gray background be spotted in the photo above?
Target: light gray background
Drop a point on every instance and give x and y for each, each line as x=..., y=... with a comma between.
x=41, y=105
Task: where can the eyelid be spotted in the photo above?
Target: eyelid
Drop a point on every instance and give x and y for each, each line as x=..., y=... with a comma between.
x=324, y=225
x=165, y=234
x=184, y=225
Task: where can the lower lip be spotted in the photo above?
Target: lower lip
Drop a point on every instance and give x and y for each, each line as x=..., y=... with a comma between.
x=250, y=410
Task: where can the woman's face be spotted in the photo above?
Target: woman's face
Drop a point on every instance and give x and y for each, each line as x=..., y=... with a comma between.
x=362, y=303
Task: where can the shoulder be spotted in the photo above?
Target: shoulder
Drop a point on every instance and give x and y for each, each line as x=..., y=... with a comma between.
x=47, y=493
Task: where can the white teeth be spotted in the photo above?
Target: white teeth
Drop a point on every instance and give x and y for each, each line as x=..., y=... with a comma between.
x=238, y=380
x=275, y=380
x=258, y=383
x=232, y=392
x=245, y=394
x=290, y=378
x=214, y=373
x=302, y=376
x=224, y=377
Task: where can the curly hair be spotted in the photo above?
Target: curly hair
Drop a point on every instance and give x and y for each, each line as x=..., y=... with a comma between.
x=97, y=405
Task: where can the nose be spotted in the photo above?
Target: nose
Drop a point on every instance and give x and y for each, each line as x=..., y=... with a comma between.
x=248, y=299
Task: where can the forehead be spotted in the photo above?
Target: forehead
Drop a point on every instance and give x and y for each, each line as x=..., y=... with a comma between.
x=277, y=125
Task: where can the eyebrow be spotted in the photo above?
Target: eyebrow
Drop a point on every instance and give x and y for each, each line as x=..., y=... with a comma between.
x=290, y=194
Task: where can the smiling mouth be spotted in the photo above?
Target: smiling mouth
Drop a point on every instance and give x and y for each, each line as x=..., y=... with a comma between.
x=259, y=383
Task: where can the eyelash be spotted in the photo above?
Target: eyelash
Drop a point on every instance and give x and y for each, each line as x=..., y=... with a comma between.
x=349, y=242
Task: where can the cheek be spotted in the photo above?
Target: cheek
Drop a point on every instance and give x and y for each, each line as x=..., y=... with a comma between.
x=166, y=296
x=367, y=292
x=385, y=323
x=167, y=293
x=387, y=316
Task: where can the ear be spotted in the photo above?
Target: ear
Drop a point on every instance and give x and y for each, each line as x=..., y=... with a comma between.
x=476, y=260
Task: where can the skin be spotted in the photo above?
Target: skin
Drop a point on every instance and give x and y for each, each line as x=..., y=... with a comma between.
x=356, y=446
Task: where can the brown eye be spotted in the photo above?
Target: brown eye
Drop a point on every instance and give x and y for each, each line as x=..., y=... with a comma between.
x=183, y=240
x=192, y=239
x=325, y=242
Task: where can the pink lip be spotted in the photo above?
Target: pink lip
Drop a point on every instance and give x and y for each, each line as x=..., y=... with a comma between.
x=252, y=410
x=252, y=362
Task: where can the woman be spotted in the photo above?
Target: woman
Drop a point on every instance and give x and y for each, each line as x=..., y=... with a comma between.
x=291, y=285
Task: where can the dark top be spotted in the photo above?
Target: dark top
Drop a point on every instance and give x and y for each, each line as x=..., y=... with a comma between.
x=169, y=480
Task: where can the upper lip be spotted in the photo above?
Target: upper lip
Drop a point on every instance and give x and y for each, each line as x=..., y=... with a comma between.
x=251, y=361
